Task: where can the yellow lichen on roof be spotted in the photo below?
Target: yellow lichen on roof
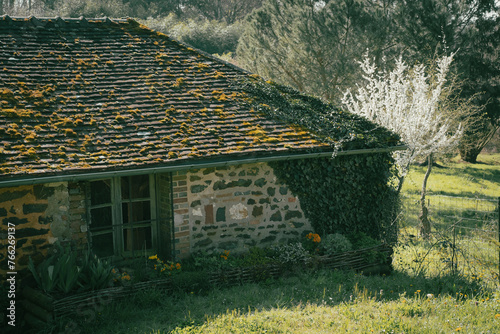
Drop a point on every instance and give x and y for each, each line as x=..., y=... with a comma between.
x=119, y=95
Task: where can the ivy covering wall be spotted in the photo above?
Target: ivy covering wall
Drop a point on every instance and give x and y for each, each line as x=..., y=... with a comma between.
x=346, y=194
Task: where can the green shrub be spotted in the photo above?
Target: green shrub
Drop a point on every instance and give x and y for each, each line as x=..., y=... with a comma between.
x=336, y=243
x=256, y=256
x=289, y=254
x=212, y=261
x=361, y=241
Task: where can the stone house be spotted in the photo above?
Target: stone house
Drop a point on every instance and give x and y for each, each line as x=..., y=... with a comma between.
x=116, y=137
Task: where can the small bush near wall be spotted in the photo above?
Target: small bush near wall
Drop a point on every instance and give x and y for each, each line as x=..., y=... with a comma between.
x=347, y=194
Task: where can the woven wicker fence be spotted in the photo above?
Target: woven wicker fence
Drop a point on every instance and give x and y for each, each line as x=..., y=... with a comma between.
x=41, y=308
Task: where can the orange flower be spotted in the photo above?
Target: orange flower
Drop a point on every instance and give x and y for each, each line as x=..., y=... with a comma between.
x=178, y=266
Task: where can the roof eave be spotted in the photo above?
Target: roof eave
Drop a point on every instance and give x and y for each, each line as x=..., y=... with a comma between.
x=188, y=165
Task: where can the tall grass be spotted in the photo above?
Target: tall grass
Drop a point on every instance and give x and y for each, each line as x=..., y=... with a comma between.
x=423, y=295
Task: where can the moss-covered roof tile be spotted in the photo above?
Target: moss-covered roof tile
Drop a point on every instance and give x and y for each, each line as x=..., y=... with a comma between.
x=81, y=95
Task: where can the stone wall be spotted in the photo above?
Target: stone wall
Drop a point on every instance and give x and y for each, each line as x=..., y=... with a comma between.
x=234, y=208
x=42, y=215
x=226, y=208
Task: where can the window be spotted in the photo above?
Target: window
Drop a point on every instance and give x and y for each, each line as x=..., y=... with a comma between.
x=122, y=214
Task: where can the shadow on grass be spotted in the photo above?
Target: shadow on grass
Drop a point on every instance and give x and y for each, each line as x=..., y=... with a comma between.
x=154, y=310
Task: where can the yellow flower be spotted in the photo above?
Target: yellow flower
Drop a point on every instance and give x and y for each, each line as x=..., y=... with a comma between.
x=497, y=316
x=154, y=257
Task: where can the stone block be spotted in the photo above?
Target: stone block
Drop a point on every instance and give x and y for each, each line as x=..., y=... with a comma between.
x=203, y=243
x=260, y=182
x=221, y=214
x=198, y=188
x=276, y=217
x=34, y=208
x=8, y=196
x=293, y=214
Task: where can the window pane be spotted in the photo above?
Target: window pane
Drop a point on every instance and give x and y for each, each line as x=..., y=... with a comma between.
x=125, y=184
x=140, y=186
x=137, y=239
x=136, y=212
x=100, y=192
x=102, y=244
x=100, y=217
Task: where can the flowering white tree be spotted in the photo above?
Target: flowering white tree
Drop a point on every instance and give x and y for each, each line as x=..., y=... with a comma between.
x=416, y=105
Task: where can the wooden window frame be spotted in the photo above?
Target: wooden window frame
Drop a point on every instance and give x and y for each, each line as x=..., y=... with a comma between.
x=117, y=227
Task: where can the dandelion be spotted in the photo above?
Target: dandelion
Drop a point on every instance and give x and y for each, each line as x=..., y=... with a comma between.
x=497, y=316
x=154, y=257
x=458, y=329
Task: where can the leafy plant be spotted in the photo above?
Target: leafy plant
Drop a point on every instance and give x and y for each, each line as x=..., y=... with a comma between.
x=312, y=243
x=68, y=270
x=212, y=262
x=43, y=274
x=289, y=254
x=58, y=272
x=162, y=268
x=336, y=243
x=256, y=256
x=95, y=273
x=361, y=241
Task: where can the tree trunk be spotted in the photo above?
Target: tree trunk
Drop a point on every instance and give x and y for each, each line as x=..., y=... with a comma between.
x=472, y=145
x=425, y=227
x=470, y=154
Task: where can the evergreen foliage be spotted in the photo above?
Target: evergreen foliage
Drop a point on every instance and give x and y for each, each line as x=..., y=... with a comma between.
x=313, y=45
x=346, y=194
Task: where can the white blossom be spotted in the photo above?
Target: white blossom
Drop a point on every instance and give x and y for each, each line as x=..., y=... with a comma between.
x=409, y=102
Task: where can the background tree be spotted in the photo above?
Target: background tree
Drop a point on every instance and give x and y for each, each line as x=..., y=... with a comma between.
x=213, y=36
x=470, y=28
x=418, y=104
x=313, y=45
x=228, y=11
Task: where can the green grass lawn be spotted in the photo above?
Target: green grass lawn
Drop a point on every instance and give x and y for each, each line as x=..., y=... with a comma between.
x=432, y=300
x=481, y=180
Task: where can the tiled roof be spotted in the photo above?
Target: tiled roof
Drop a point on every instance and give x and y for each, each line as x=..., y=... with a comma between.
x=81, y=95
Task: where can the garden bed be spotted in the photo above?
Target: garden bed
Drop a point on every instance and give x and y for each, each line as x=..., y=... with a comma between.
x=42, y=308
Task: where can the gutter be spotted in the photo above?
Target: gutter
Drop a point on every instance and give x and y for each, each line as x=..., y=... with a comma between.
x=186, y=166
